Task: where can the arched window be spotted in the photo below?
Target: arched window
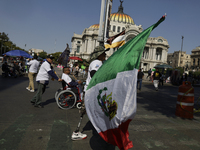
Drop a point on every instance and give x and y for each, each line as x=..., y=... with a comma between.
x=78, y=49
x=118, y=29
x=114, y=28
x=123, y=28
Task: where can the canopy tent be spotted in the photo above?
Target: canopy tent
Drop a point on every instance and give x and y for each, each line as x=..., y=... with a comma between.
x=75, y=58
x=18, y=53
x=163, y=66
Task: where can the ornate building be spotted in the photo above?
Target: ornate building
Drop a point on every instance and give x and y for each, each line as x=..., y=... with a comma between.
x=195, y=58
x=33, y=51
x=179, y=59
x=155, y=51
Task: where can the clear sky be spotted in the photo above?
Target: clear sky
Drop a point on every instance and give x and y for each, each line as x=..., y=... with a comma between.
x=50, y=24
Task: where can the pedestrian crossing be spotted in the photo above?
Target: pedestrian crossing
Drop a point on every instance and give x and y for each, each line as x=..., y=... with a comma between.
x=146, y=133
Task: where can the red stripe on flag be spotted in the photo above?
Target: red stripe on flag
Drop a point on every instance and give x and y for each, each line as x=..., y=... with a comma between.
x=118, y=136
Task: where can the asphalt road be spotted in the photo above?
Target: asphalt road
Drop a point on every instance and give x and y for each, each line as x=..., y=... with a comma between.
x=155, y=126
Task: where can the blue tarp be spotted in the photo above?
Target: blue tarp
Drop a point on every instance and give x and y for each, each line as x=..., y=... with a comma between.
x=18, y=53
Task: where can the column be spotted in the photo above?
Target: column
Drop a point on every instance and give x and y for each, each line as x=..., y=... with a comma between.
x=151, y=53
x=154, y=53
x=86, y=42
x=83, y=47
x=142, y=65
x=163, y=55
x=89, y=46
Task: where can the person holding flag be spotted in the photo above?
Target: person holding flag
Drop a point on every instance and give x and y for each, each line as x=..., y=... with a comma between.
x=110, y=97
x=96, y=58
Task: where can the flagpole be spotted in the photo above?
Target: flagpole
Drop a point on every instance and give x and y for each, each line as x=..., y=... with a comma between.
x=100, y=36
x=105, y=21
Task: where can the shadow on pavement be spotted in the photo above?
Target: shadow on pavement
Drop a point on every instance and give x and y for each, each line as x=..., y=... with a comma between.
x=96, y=142
x=49, y=101
x=162, y=101
x=7, y=82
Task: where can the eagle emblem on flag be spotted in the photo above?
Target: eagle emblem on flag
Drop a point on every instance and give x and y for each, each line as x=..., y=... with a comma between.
x=108, y=106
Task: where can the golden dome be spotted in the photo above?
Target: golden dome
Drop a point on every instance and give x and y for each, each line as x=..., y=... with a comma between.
x=117, y=17
x=121, y=17
x=95, y=26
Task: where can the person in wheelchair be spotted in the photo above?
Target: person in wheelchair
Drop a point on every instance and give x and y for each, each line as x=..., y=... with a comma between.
x=67, y=81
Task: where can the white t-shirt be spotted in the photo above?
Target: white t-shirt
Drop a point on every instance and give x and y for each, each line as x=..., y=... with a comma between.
x=34, y=64
x=43, y=72
x=94, y=65
x=66, y=78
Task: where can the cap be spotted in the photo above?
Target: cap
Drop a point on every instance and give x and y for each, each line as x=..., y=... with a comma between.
x=50, y=56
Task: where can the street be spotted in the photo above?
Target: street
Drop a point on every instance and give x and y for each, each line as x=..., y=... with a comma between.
x=155, y=126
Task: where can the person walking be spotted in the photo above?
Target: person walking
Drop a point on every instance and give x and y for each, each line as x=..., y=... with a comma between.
x=140, y=77
x=43, y=80
x=77, y=70
x=96, y=58
x=156, y=78
x=33, y=69
x=149, y=73
x=5, y=58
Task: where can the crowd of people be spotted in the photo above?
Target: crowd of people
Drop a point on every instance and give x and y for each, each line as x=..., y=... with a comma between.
x=13, y=66
x=76, y=69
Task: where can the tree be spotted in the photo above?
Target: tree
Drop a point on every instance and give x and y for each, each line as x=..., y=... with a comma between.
x=4, y=37
x=43, y=55
x=56, y=56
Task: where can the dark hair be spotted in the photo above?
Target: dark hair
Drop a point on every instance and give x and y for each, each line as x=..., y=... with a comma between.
x=66, y=68
x=35, y=56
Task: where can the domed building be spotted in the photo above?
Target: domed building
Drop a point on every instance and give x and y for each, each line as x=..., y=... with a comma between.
x=155, y=51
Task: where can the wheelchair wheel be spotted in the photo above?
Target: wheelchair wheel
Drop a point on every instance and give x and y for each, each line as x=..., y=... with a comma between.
x=58, y=91
x=66, y=99
x=78, y=105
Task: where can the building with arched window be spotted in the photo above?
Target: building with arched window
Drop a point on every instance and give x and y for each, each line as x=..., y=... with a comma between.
x=195, y=58
x=155, y=51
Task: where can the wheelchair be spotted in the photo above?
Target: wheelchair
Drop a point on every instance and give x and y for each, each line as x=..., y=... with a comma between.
x=67, y=97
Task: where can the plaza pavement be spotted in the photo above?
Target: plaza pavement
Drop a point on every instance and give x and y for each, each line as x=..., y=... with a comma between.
x=155, y=126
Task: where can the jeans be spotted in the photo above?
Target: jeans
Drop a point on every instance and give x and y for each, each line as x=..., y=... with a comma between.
x=140, y=83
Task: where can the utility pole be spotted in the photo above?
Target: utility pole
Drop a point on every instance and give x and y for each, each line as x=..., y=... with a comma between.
x=55, y=46
x=182, y=44
x=181, y=49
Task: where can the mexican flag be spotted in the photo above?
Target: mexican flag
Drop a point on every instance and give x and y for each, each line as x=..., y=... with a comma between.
x=110, y=98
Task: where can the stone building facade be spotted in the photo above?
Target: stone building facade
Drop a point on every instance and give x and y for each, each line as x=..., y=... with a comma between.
x=33, y=51
x=155, y=51
x=195, y=58
x=179, y=59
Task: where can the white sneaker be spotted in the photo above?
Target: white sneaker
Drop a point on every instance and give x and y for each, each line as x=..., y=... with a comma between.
x=27, y=88
x=32, y=90
x=78, y=136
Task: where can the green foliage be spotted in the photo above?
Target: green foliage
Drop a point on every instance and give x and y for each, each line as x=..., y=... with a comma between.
x=56, y=56
x=4, y=37
x=43, y=55
x=6, y=44
x=196, y=73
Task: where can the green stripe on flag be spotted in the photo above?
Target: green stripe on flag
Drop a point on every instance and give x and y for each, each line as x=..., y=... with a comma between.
x=124, y=59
